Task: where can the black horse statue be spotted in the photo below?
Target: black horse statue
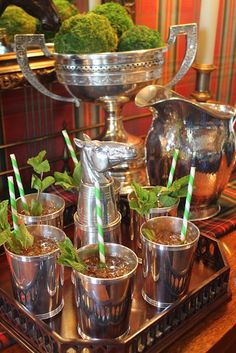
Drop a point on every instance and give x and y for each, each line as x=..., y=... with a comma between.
x=44, y=10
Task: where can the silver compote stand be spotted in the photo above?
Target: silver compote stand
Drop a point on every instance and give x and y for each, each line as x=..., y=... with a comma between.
x=110, y=80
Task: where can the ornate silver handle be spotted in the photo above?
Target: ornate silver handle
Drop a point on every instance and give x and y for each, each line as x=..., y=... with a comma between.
x=22, y=43
x=190, y=30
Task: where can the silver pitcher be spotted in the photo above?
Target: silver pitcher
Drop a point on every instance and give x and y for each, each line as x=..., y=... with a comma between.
x=202, y=130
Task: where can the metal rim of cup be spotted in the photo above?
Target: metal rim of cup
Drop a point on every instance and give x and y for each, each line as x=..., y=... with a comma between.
x=99, y=280
x=45, y=217
x=28, y=258
x=169, y=246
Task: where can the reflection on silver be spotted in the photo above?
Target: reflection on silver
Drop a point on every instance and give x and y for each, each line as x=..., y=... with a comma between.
x=202, y=129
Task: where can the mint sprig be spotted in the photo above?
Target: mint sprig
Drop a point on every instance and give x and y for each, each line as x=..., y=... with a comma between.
x=157, y=196
x=15, y=241
x=69, y=256
x=38, y=182
x=69, y=182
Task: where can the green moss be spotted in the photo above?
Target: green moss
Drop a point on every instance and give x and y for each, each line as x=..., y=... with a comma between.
x=65, y=9
x=86, y=34
x=117, y=15
x=17, y=21
x=140, y=37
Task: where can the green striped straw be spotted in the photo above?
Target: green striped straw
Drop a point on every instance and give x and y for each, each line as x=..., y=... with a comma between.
x=187, y=203
x=172, y=168
x=11, y=189
x=101, y=245
x=70, y=147
x=19, y=182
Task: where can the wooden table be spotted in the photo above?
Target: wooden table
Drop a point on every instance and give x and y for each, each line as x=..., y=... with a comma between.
x=217, y=332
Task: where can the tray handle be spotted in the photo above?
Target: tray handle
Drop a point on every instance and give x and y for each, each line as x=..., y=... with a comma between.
x=190, y=30
x=22, y=43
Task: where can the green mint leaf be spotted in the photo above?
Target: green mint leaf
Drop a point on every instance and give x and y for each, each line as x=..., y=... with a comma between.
x=179, y=183
x=77, y=175
x=69, y=256
x=5, y=235
x=13, y=245
x=39, y=164
x=36, y=208
x=183, y=191
x=64, y=180
x=46, y=182
x=149, y=234
x=167, y=201
x=4, y=224
x=36, y=183
x=24, y=237
x=146, y=199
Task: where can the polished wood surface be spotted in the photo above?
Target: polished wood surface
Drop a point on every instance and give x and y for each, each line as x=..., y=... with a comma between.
x=216, y=333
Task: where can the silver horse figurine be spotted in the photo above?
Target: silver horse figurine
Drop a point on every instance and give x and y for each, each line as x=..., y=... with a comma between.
x=97, y=157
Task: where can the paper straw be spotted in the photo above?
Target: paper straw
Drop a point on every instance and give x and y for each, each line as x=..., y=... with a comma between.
x=13, y=202
x=19, y=182
x=101, y=246
x=172, y=168
x=70, y=147
x=187, y=203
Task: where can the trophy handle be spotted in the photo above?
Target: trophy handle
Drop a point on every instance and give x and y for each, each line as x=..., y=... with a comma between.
x=190, y=30
x=22, y=43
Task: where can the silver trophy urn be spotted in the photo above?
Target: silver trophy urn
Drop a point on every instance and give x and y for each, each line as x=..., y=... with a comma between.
x=110, y=80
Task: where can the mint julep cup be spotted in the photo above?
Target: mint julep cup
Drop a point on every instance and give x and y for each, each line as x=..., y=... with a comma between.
x=136, y=220
x=104, y=304
x=166, y=268
x=37, y=281
x=53, y=203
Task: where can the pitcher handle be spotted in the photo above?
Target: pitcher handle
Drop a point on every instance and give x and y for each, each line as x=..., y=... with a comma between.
x=190, y=30
x=22, y=43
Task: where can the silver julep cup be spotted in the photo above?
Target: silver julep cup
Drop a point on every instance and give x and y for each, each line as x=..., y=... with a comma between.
x=104, y=304
x=85, y=234
x=54, y=218
x=136, y=220
x=166, y=269
x=37, y=281
x=86, y=207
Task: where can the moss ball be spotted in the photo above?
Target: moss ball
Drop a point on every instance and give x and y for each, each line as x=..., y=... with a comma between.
x=17, y=21
x=65, y=9
x=85, y=34
x=140, y=37
x=117, y=15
